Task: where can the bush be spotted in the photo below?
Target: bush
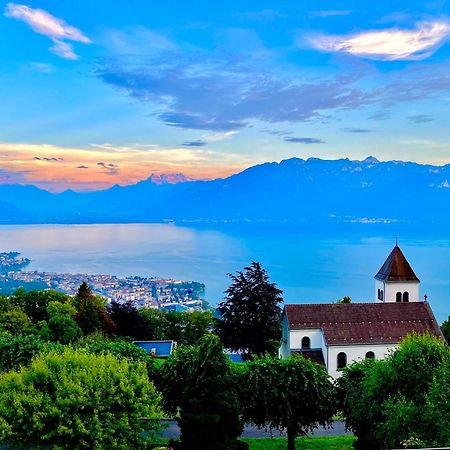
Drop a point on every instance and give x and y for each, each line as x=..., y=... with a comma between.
x=197, y=383
x=75, y=399
x=403, y=398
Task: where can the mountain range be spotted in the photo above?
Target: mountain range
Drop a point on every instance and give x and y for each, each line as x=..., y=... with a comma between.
x=293, y=190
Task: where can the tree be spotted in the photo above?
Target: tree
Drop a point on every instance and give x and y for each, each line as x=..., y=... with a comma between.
x=250, y=314
x=128, y=320
x=91, y=312
x=402, y=399
x=197, y=384
x=346, y=299
x=445, y=328
x=293, y=394
x=78, y=400
x=60, y=326
x=35, y=303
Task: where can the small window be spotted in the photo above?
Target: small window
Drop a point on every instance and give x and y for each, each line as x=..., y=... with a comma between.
x=398, y=297
x=406, y=296
x=370, y=355
x=341, y=360
x=306, y=342
x=381, y=294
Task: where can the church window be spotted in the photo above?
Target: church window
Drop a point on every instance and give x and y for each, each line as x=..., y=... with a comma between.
x=341, y=360
x=406, y=296
x=370, y=355
x=306, y=342
x=398, y=297
x=381, y=294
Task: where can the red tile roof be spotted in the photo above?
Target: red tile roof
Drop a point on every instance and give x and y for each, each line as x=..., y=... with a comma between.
x=396, y=268
x=364, y=323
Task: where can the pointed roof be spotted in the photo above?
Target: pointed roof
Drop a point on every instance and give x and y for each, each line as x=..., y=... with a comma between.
x=396, y=268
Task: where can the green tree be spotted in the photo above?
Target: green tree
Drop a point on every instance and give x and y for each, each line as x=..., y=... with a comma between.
x=35, y=303
x=198, y=384
x=293, y=394
x=60, y=326
x=77, y=400
x=445, y=328
x=250, y=314
x=345, y=299
x=404, y=398
x=91, y=313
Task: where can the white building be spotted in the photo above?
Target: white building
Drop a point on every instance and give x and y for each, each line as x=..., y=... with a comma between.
x=338, y=334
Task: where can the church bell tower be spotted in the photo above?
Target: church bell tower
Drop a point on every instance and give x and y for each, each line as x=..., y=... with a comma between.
x=396, y=280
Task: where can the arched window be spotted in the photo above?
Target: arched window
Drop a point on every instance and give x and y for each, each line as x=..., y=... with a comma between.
x=370, y=355
x=306, y=342
x=381, y=294
x=398, y=297
x=341, y=360
x=378, y=295
x=406, y=296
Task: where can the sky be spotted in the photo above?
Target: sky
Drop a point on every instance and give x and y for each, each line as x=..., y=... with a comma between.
x=104, y=92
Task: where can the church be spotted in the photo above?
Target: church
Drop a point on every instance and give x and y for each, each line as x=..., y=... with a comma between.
x=336, y=335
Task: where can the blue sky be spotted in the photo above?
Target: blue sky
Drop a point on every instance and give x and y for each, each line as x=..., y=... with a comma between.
x=102, y=92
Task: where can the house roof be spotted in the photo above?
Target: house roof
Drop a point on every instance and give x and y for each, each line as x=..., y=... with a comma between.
x=162, y=349
x=363, y=323
x=396, y=268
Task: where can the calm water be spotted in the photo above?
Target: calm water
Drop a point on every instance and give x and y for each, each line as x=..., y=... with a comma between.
x=310, y=266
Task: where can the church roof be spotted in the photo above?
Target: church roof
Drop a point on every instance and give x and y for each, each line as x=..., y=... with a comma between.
x=396, y=268
x=363, y=323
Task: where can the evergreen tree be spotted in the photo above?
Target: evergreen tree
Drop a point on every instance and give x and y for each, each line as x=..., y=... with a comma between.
x=250, y=314
x=445, y=328
x=128, y=320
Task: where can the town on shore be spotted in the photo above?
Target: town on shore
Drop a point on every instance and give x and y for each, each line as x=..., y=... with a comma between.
x=148, y=292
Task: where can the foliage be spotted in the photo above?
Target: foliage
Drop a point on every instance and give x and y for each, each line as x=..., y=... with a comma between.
x=128, y=320
x=197, y=382
x=91, y=312
x=345, y=299
x=250, y=314
x=445, y=328
x=186, y=328
x=294, y=394
x=60, y=326
x=75, y=399
x=402, y=398
x=35, y=303
x=17, y=351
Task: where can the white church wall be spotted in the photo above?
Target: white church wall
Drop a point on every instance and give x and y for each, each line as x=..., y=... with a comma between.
x=380, y=287
x=392, y=288
x=355, y=353
x=315, y=335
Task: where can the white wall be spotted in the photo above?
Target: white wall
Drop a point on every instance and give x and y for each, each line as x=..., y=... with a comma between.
x=314, y=334
x=380, y=285
x=391, y=289
x=355, y=353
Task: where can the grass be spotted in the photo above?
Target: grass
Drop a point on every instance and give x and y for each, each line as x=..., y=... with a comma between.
x=308, y=443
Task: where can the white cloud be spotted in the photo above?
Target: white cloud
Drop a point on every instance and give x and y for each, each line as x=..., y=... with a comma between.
x=389, y=44
x=44, y=23
x=217, y=137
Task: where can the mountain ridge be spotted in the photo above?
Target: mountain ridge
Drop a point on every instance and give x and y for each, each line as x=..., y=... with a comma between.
x=294, y=189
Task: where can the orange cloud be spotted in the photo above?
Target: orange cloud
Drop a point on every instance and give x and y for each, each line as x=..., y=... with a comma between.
x=103, y=165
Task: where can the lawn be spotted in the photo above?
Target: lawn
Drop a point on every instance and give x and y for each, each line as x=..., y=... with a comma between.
x=309, y=443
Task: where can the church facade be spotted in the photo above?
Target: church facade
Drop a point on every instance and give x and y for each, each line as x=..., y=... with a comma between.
x=336, y=335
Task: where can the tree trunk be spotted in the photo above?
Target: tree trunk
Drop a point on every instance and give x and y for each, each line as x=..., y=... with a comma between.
x=291, y=434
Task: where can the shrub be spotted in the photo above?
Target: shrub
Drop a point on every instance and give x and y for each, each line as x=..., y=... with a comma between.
x=197, y=383
x=75, y=399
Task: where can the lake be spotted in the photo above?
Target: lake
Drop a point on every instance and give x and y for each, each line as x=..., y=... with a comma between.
x=310, y=264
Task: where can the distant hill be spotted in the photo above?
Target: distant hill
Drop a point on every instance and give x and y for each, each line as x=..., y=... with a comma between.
x=294, y=190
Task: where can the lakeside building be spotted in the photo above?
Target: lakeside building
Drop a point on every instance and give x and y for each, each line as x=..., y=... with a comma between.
x=336, y=335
